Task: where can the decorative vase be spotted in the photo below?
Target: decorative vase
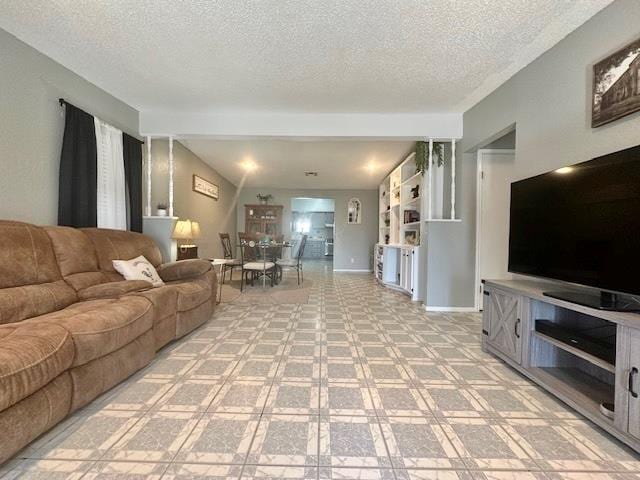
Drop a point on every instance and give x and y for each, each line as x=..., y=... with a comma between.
x=161, y=212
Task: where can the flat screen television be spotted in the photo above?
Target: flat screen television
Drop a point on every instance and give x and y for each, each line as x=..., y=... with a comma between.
x=581, y=224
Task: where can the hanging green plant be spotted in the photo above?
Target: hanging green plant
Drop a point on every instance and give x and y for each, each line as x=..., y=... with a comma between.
x=422, y=156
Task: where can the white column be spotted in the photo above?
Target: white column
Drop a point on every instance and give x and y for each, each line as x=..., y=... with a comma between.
x=430, y=198
x=171, y=169
x=453, y=179
x=149, y=212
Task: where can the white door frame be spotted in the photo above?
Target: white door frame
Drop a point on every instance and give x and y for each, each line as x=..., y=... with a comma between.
x=479, y=154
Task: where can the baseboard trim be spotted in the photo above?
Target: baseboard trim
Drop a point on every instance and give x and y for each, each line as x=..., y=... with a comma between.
x=351, y=270
x=430, y=308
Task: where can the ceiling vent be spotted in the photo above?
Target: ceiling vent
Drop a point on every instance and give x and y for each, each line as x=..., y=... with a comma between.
x=310, y=174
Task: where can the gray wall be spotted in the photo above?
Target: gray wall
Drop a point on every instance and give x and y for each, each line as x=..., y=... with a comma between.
x=214, y=216
x=31, y=126
x=549, y=103
x=506, y=142
x=351, y=241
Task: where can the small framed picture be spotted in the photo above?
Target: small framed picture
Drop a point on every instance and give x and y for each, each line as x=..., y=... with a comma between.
x=205, y=187
x=411, y=237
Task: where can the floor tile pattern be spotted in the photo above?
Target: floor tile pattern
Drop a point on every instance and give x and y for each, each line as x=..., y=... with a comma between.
x=357, y=383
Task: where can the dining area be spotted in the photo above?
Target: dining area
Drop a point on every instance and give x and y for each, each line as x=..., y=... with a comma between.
x=262, y=261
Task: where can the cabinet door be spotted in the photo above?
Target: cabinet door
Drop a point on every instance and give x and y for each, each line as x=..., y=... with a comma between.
x=254, y=226
x=409, y=271
x=271, y=229
x=503, y=324
x=405, y=269
x=631, y=377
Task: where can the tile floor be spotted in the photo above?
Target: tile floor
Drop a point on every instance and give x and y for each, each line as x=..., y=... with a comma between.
x=358, y=383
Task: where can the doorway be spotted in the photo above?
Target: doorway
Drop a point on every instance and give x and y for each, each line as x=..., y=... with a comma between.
x=315, y=217
x=495, y=173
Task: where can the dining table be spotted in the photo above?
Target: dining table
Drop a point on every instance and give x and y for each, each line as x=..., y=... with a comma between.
x=264, y=246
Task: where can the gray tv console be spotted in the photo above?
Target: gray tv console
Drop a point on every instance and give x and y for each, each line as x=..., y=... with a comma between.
x=576, y=377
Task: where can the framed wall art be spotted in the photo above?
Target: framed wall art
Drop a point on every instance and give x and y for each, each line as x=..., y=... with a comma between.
x=205, y=187
x=616, y=85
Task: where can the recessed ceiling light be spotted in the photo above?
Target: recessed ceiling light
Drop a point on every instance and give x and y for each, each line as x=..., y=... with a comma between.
x=564, y=170
x=248, y=164
x=371, y=167
x=310, y=174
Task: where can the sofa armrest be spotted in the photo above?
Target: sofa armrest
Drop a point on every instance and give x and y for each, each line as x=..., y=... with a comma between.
x=183, y=269
x=113, y=289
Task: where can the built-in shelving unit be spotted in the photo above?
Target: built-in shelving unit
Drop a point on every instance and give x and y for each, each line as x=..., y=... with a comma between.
x=401, y=205
x=408, y=201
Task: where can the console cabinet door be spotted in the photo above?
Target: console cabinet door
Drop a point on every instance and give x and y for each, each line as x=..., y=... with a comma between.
x=628, y=380
x=502, y=323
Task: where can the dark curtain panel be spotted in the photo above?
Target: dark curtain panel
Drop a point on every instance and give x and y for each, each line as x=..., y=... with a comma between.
x=132, y=149
x=77, y=204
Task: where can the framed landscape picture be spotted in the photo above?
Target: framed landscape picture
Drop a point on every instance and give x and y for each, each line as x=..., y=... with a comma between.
x=616, y=85
x=205, y=187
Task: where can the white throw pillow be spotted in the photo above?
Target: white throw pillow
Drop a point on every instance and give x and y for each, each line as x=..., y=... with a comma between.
x=138, y=268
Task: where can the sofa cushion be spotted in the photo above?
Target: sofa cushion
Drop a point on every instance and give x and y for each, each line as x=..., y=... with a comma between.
x=184, y=269
x=113, y=289
x=99, y=327
x=192, y=294
x=20, y=303
x=30, y=282
x=31, y=355
x=76, y=257
x=26, y=256
x=121, y=245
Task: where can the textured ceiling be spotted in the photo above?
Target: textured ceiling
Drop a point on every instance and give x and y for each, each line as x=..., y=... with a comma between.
x=296, y=55
x=282, y=163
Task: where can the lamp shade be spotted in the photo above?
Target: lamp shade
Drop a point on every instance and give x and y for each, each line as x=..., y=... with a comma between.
x=195, y=229
x=186, y=230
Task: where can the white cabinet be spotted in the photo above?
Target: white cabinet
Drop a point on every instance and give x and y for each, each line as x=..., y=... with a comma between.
x=409, y=268
x=398, y=267
x=501, y=323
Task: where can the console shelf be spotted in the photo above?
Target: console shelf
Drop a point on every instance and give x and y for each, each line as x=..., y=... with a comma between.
x=581, y=379
x=574, y=386
x=577, y=352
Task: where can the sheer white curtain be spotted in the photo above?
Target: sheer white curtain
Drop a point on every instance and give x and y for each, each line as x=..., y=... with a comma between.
x=112, y=192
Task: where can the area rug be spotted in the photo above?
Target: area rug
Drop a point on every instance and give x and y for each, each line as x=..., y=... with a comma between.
x=287, y=291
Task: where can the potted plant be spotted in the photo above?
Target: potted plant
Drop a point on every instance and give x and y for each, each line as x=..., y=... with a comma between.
x=161, y=210
x=264, y=199
x=422, y=156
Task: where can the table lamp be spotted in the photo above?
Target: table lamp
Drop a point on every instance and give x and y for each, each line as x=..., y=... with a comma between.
x=187, y=231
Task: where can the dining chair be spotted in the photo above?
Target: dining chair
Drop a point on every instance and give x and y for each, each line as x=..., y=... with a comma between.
x=249, y=253
x=227, y=250
x=297, y=261
x=252, y=264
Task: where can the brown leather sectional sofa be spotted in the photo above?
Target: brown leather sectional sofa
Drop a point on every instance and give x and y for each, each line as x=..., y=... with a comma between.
x=71, y=327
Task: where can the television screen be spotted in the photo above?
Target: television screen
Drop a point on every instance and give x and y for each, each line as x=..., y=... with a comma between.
x=580, y=224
